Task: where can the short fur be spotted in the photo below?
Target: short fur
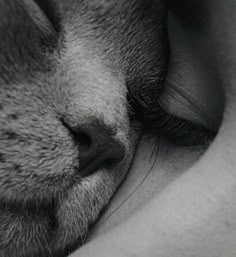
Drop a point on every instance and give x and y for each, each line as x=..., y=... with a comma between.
x=66, y=62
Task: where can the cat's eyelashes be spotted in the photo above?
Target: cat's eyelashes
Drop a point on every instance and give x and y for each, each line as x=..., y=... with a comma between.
x=180, y=131
x=146, y=109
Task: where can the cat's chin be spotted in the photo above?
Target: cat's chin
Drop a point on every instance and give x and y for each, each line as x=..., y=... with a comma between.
x=81, y=207
x=62, y=227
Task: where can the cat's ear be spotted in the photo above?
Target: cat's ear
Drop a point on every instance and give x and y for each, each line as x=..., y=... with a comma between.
x=192, y=89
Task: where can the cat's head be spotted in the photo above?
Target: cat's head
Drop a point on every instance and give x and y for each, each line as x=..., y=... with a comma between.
x=66, y=137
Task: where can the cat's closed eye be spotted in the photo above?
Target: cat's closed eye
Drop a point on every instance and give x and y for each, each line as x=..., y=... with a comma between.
x=145, y=107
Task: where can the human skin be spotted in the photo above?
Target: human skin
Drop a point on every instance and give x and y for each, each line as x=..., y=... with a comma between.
x=195, y=214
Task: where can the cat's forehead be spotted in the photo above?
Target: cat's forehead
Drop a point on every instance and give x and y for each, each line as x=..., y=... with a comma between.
x=108, y=15
x=128, y=31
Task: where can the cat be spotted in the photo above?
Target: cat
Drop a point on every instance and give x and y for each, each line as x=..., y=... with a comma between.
x=67, y=133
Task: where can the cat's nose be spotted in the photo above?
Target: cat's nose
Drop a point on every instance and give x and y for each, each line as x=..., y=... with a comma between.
x=97, y=147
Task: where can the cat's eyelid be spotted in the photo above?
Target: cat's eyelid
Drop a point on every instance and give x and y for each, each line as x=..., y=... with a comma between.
x=39, y=18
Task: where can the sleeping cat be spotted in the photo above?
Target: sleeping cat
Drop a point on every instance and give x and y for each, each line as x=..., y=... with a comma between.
x=67, y=133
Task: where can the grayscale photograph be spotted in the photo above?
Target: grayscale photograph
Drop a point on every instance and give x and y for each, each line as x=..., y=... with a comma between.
x=117, y=128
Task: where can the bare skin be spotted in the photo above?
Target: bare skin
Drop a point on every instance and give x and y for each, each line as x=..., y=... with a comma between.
x=194, y=215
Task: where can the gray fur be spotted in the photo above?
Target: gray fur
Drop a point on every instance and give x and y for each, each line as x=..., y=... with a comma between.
x=76, y=72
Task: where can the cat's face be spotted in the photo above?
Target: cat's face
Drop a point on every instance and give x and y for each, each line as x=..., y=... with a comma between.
x=66, y=139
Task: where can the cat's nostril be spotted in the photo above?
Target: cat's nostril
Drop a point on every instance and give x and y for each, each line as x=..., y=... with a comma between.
x=85, y=142
x=97, y=148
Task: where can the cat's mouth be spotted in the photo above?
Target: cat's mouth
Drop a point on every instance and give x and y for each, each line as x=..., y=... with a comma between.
x=95, y=166
x=99, y=162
